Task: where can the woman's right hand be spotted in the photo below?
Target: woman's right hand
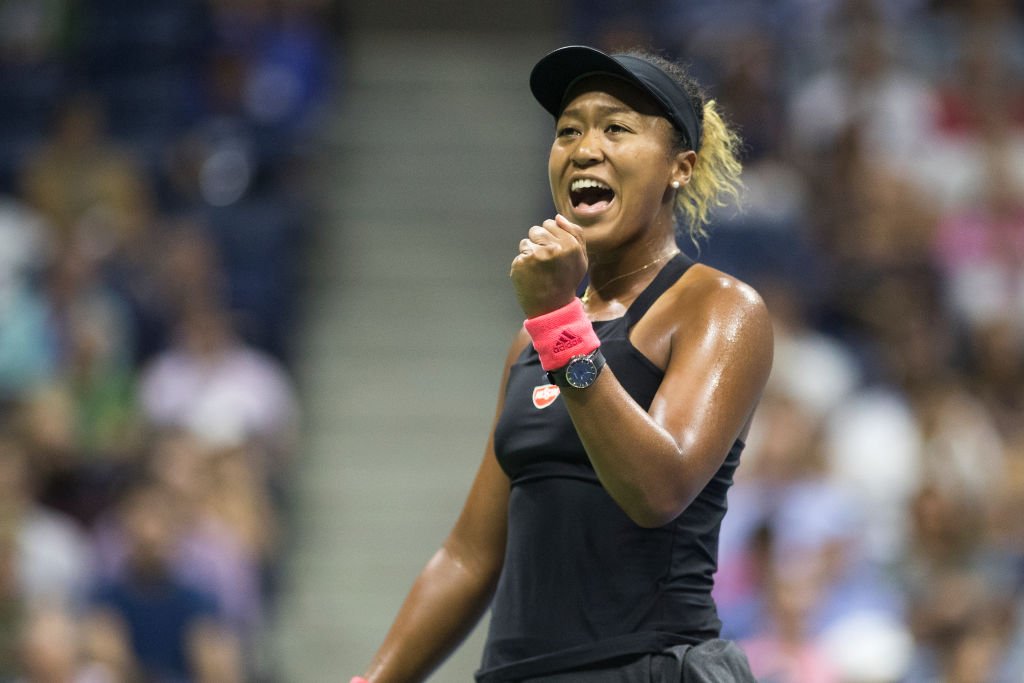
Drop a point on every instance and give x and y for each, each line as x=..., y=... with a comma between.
x=551, y=263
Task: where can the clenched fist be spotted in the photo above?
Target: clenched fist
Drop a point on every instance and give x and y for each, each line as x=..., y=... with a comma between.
x=551, y=263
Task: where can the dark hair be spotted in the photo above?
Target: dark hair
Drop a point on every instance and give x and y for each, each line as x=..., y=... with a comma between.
x=716, y=175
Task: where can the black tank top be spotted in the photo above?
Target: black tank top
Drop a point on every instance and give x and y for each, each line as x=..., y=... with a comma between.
x=582, y=583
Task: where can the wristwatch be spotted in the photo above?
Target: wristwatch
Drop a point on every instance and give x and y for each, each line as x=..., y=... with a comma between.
x=580, y=372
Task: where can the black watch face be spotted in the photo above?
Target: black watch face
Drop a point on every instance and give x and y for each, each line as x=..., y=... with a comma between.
x=581, y=373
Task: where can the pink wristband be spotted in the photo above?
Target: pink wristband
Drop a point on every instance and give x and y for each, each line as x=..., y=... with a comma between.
x=562, y=334
x=358, y=679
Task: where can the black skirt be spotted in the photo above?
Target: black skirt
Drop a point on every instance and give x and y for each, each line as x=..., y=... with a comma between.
x=713, y=661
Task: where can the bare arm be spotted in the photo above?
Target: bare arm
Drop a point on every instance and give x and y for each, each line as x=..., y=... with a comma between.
x=717, y=337
x=455, y=587
x=713, y=336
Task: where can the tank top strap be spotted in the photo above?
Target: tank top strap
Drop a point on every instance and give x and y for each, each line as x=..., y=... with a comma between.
x=666, y=277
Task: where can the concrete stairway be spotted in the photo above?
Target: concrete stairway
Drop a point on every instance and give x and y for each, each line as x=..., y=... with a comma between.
x=435, y=167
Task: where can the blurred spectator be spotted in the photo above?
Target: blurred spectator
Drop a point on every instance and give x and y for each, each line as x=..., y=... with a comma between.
x=151, y=151
x=873, y=448
x=784, y=651
x=265, y=84
x=66, y=480
x=83, y=182
x=779, y=456
x=864, y=87
x=995, y=365
x=285, y=69
x=170, y=625
x=1004, y=526
x=212, y=384
x=235, y=493
x=980, y=247
x=83, y=339
x=965, y=450
x=872, y=225
x=27, y=240
x=155, y=280
x=888, y=227
x=978, y=151
x=28, y=342
x=147, y=276
x=794, y=582
x=53, y=559
x=814, y=368
x=97, y=341
x=52, y=650
x=962, y=628
x=208, y=551
x=981, y=91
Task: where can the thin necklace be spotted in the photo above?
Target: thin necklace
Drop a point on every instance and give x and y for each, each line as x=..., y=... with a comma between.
x=590, y=288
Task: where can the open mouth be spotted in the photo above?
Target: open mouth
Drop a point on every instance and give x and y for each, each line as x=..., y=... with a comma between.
x=589, y=195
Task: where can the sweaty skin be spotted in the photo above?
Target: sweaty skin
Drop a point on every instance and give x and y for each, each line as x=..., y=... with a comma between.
x=709, y=332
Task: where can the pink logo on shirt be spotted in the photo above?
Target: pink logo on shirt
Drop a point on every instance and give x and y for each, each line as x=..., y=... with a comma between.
x=545, y=395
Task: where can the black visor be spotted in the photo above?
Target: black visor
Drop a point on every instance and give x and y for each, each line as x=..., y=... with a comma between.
x=557, y=71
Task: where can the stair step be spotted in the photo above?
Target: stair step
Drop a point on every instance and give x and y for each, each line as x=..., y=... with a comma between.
x=433, y=169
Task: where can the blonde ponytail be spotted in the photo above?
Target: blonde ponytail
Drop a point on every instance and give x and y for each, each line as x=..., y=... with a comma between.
x=716, y=175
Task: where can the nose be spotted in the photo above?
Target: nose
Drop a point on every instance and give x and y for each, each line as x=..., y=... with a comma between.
x=588, y=150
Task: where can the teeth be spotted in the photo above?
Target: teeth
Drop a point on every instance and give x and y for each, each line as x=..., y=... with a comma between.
x=582, y=183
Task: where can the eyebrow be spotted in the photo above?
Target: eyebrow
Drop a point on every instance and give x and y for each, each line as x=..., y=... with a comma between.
x=602, y=110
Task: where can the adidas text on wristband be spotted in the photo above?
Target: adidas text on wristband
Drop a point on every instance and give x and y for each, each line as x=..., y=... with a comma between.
x=562, y=334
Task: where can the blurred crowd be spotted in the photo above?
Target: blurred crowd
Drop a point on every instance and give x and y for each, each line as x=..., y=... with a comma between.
x=876, y=528
x=153, y=159
x=153, y=215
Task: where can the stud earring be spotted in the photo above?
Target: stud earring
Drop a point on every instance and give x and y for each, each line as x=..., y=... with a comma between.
x=675, y=184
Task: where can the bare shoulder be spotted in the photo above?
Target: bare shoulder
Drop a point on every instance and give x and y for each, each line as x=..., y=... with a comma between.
x=708, y=311
x=708, y=291
x=710, y=303
x=719, y=319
